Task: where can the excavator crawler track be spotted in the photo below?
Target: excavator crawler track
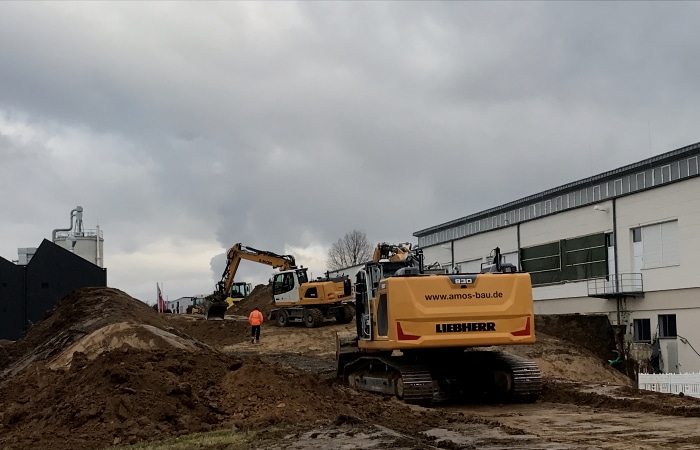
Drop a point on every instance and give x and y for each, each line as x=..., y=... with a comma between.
x=527, y=379
x=489, y=376
x=409, y=382
x=473, y=375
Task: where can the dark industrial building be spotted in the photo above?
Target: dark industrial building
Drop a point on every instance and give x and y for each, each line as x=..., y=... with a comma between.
x=27, y=292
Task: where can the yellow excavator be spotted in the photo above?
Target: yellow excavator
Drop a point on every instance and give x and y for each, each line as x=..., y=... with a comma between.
x=424, y=338
x=296, y=297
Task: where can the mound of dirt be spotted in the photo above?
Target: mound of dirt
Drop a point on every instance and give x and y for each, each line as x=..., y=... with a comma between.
x=261, y=296
x=592, y=332
x=105, y=369
x=218, y=334
x=77, y=317
x=565, y=360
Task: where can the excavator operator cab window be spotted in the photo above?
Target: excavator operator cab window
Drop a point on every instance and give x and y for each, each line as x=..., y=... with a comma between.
x=238, y=290
x=283, y=282
x=302, y=276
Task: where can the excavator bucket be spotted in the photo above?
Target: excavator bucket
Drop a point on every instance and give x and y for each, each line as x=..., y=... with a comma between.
x=216, y=311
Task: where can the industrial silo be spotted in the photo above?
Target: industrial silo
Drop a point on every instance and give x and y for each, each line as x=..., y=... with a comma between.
x=85, y=243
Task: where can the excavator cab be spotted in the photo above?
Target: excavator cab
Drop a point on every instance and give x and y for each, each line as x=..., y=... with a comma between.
x=238, y=292
x=285, y=285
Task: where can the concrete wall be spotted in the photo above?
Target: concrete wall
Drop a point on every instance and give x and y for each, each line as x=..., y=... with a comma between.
x=567, y=224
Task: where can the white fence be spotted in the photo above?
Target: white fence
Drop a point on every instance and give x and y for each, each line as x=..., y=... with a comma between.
x=671, y=383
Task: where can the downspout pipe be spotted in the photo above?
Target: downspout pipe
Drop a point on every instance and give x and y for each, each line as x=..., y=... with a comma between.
x=518, y=237
x=617, y=268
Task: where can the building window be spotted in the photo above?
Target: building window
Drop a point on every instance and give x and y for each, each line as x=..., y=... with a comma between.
x=548, y=207
x=559, y=204
x=693, y=166
x=675, y=171
x=637, y=234
x=660, y=247
x=596, y=193
x=618, y=187
x=666, y=174
x=584, y=196
x=642, y=330
x=566, y=260
x=641, y=180
x=667, y=326
x=626, y=184
x=683, y=168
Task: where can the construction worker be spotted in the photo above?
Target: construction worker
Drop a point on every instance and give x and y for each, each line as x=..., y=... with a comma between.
x=255, y=319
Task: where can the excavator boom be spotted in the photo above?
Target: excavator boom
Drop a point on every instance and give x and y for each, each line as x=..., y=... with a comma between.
x=217, y=301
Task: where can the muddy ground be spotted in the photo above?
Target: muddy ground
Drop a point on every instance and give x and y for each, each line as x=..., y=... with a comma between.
x=104, y=370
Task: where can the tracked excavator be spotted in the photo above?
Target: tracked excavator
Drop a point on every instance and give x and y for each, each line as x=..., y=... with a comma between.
x=425, y=338
x=296, y=297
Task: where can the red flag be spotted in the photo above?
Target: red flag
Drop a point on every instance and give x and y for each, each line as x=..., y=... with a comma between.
x=161, y=302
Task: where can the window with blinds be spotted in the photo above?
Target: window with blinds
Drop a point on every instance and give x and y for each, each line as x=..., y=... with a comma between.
x=660, y=244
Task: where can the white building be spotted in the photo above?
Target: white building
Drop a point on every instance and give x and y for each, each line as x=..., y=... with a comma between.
x=179, y=306
x=622, y=243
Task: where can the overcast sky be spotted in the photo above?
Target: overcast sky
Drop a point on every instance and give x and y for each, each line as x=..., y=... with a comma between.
x=183, y=128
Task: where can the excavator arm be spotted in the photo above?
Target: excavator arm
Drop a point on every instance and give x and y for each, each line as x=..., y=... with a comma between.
x=217, y=304
x=239, y=252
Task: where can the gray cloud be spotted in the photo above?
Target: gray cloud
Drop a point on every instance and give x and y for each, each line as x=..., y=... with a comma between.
x=195, y=126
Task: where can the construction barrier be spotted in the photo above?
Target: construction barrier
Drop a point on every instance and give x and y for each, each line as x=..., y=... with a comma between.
x=671, y=383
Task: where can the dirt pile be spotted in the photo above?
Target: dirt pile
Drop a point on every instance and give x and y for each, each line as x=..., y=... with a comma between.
x=80, y=314
x=592, y=332
x=261, y=296
x=104, y=368
x=218, y=334
x=564, y=360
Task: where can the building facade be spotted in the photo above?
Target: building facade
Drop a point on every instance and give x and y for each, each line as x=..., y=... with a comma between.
x=28, y=292
x=620, y=243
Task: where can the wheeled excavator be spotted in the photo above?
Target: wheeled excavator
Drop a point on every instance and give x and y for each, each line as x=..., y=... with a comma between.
x=296, y=297
x=425, y=338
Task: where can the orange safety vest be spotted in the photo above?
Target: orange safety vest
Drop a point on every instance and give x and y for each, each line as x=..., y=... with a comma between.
x=255, y=318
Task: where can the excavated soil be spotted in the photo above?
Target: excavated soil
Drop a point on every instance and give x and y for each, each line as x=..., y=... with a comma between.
x=103, y=369
x=261, y=296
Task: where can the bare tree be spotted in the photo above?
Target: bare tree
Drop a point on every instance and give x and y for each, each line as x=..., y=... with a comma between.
x=350, y=250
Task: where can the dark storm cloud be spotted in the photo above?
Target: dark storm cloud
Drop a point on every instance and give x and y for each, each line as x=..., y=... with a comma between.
x=289, y=124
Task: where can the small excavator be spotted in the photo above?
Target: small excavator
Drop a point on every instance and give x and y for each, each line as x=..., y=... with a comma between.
x=424, y=338
x=297, y=298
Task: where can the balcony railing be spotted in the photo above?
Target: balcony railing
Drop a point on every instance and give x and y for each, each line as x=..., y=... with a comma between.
x=618, y=285
x=84, y=233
